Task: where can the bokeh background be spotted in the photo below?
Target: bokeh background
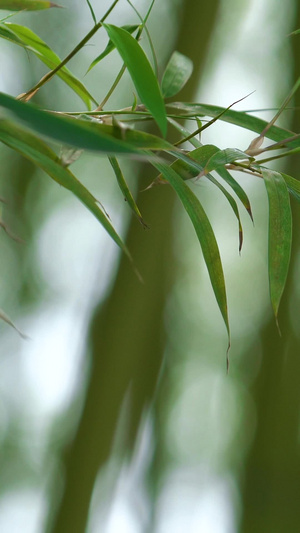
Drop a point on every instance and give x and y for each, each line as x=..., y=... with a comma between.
x=118, y=415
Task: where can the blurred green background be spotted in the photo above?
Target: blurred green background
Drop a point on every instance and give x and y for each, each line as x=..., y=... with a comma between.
x=118, y=415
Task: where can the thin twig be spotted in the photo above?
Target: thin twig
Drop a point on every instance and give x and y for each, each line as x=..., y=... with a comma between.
x=27, y=96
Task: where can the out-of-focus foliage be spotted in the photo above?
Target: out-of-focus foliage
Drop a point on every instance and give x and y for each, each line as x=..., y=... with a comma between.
x=128, y=349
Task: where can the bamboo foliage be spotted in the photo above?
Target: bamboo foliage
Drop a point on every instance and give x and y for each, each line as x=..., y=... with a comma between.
x=107, y=132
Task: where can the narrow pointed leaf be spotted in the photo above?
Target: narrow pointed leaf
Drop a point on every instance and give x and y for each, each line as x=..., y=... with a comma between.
x=29, y=40
x=204, y=233
x=223, y=157
x=110, y=46
x=233, y=205
x=184, y=132
x=293, y=185
x=37, y=151
x=202, y=155
x=30, y=5
x=125, y=189
x=280, y=234
x=141, y=73
x=92, y=11
x=239, y=191
x=238, y=118
x=81, y=133
x=177, y=73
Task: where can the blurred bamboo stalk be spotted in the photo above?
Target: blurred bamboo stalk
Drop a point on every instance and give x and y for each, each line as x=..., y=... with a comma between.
x=271, y=489
x=127, y=331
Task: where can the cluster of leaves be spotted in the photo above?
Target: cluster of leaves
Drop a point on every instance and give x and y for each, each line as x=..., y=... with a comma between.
x=117, y=132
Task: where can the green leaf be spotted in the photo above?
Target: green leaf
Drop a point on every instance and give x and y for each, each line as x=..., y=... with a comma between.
x=233, y=205
x=280, y=234
x=238, y=118
x=37, y=151
x=184, y=132
x=204, y=233
x=110, y=46
x=30, y=5
x=177, y=73
x=125, y=189
x=223, y=157
x=239, y=191
x=202, y=155
x=83, y=134
x=293, y=185
x=141, y=73
x=92, y=11
x=29, y=40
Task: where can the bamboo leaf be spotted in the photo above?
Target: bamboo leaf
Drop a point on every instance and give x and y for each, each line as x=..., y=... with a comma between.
x=176, y=75
x=141, y=73
x=293, y=185
x=184, y=132
x=110, y=46
x=37, y=151
x=92, y=11
x=81, y=133
x=29, y=40
x=204, y=233
x=239, y=191
x=233, y=205
x=30, y=5
x=280, y=234
x=223, y=157
x=125, y=189
x=202, y=155
x=238, y=118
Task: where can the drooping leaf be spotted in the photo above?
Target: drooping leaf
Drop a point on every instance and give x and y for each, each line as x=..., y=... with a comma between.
x=141, y=73
x=30, y=5
x=125, y=189
x=81, y=133
x=177, y=73
x=233, y=205
x=239, y=191
x=204, y=233
x=37, y=151
x=202, y=155
x=280, y=234
x=110, y=46
x=30, y=41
